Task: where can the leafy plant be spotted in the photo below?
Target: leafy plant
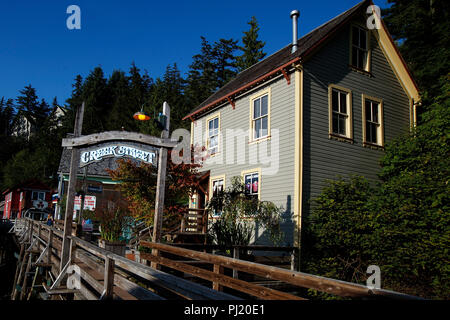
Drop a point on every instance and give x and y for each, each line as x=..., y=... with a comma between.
x=238, y=212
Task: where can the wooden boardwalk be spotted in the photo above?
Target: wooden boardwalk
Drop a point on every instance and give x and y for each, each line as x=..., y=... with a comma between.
x=93, y=273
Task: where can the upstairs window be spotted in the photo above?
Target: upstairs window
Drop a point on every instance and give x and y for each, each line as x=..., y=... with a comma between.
x=340, y=112
x=213, y=135
x=260, y=117
x=372, y=121
x=36, y=195
x=359, y=48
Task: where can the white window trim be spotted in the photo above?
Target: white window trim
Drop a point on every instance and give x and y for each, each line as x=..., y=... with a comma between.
x=349, y=122
x=251, y=171
x=258, y=95
x=212, y=117
x=380, y=131
x=211, y=181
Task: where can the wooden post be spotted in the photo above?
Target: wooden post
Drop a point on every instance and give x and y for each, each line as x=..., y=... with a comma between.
x=19, y=263
x=235, y=256
x=161, y=184
x=74, y=164
x=109, y=278
x=219, y=270
x=49, y=246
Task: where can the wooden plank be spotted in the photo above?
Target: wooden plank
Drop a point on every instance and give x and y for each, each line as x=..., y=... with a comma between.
x=236, y=284
x=121, y=282
x=300, y=279
x=177, y=285
x=118, y=136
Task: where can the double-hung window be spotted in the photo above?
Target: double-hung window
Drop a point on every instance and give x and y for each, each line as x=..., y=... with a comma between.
x=340, y=112
x=372, y=121
x=217, y=189
x=213, y=135
x=260, y=116
x=360, y=48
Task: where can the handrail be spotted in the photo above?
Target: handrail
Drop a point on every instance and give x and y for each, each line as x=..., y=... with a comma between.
x=332, y=286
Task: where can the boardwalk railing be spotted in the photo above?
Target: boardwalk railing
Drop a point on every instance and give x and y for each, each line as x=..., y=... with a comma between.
x=219, y=279
x=94, y=273
x=103, y=275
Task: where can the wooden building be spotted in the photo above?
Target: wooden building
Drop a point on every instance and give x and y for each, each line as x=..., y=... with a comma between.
x=322, y=106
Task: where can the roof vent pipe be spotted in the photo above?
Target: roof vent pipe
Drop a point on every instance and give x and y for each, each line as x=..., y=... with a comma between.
x=294, y=15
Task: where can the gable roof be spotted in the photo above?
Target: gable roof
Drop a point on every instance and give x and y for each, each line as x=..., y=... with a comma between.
x=281, y=60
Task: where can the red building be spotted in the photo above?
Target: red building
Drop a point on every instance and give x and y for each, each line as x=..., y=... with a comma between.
x=32, y=194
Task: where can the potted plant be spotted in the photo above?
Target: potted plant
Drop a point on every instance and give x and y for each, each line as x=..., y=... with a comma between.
x=112, y=217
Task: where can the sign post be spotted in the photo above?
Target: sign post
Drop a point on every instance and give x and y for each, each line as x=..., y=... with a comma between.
x=161, y=184
x=74, y=164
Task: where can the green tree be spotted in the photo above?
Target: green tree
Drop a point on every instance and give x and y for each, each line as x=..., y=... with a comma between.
x=236, y=208
x=421, y=30
x=252, y=49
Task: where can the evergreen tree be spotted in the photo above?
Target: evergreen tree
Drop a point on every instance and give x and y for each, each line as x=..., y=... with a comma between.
x=97, y=100
x=421, y=30
x=252, y=49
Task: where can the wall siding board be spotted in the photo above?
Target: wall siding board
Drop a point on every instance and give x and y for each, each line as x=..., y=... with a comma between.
x=326, y=158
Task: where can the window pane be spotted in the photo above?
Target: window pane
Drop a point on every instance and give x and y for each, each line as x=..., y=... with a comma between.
x=355, y=36
x=342, y=125
x=264, y=125
x=216, y=123
x=255, y=184
x=335, y=125
x=343, y=100
x=34, y=195
x=362, y=39
x=354, y=56
x=368, y=110
x=375, y=112
x=258, y=128
x=248, y=183
x=361, y=59
x=211, y=125
x=256, y=108
x=41, y=195
x=373, y=129
x=264, y=101
x=334, y=100
x=213, y=141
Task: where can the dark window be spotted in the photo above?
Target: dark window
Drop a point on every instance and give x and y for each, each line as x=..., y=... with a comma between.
x=359, y=48
x=372, y=109
x=339, y=112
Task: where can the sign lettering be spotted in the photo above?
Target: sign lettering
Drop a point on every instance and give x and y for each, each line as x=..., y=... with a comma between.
x=117, y=151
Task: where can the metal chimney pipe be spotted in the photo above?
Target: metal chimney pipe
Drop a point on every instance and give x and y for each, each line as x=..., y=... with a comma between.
x=294, y=15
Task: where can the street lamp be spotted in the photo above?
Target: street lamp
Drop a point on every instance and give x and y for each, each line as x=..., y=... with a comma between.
x=141, y=115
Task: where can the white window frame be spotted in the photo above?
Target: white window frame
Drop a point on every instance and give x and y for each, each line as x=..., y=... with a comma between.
x=252, y=120
x=253, y=171
x=379, y=124
x=349, y=117
x=217, y=135
x=211, y=189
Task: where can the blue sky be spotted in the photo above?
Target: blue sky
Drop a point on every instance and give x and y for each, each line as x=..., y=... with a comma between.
x=37, y=48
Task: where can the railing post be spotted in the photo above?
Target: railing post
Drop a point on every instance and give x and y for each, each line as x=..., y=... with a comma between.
x=235, y=256
x=108, y=278
x=31, y=231
x=49, y=245
x=219, y=270
x=293, y=259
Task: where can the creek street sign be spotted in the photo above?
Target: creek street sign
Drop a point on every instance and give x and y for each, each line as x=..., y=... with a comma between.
x=118, y=150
